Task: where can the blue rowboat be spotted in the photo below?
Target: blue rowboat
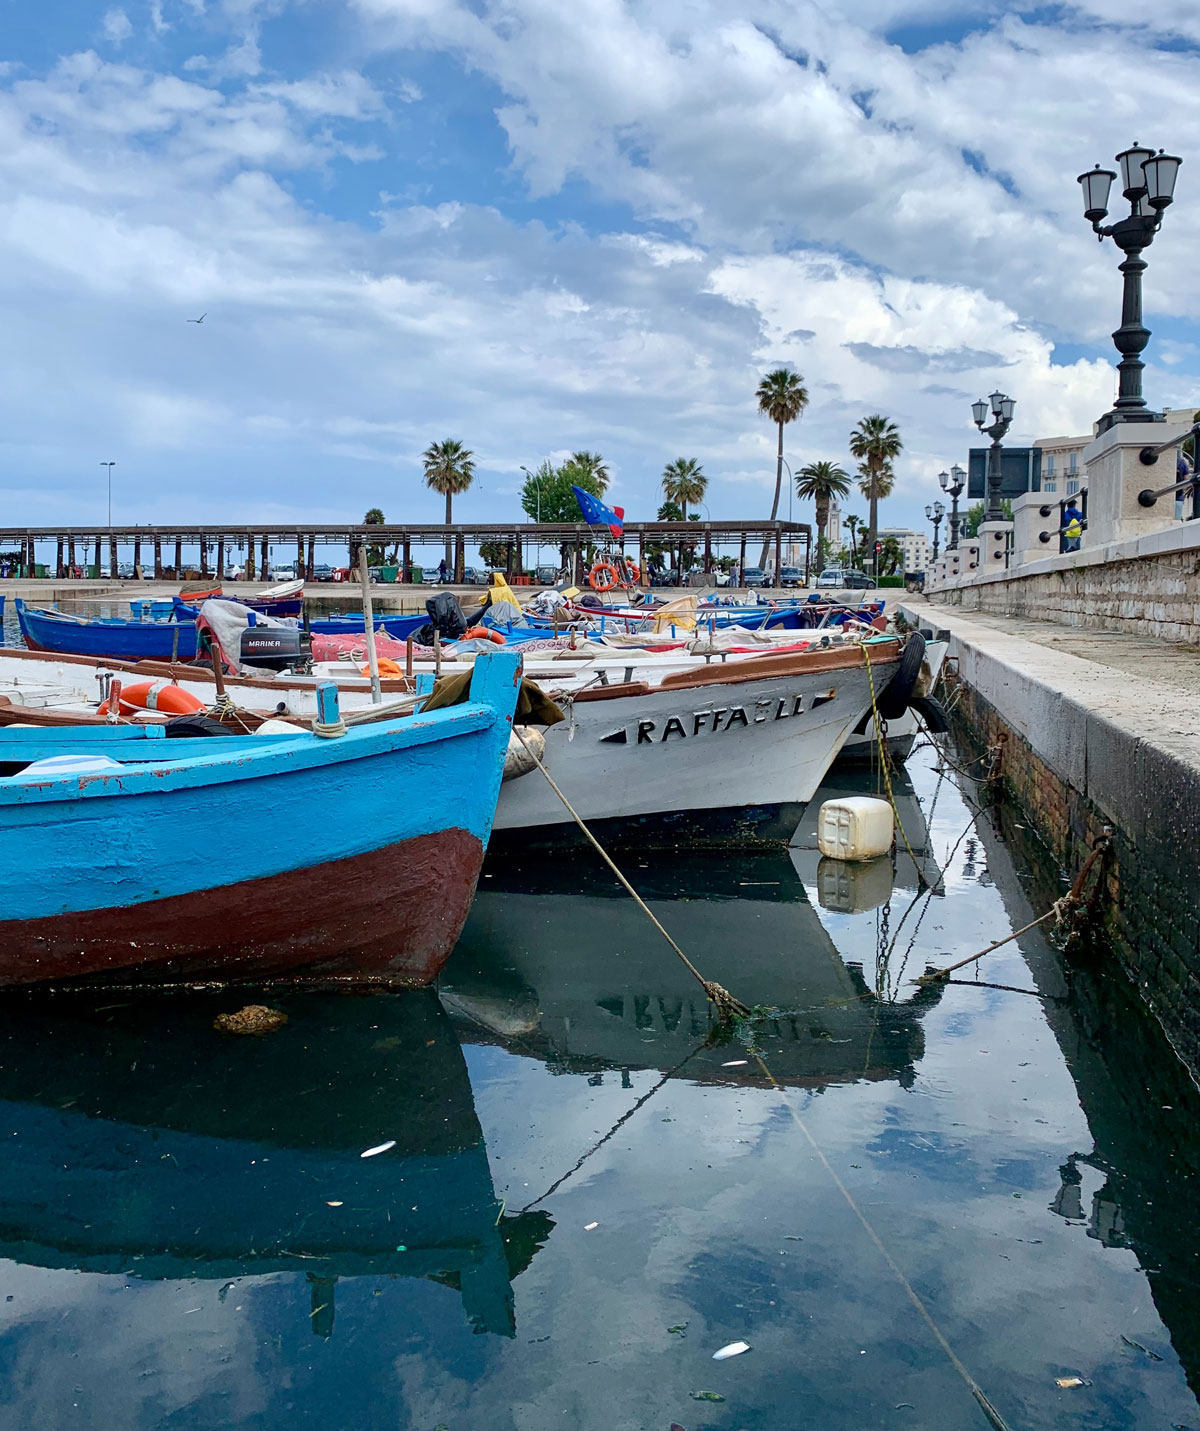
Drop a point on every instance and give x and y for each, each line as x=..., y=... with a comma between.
x=119, y=639
x=101, y=636
x=151, y=859
x=400, y=627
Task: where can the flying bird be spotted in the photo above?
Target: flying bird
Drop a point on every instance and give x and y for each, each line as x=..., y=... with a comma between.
x=201, y=318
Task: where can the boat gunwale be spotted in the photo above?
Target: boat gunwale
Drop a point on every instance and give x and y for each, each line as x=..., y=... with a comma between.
x=263, y=759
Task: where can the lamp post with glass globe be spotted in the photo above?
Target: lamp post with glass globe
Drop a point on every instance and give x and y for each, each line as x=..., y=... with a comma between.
x=1002, y=415
x=934, y=514
x=952, y=484
x=1148, y=182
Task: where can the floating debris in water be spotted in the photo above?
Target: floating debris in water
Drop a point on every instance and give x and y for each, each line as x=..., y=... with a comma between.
x=379, y=1148
x=736, y=1063
x=590, y=1226
x=706, y=1396
x=1067, y=1382
x=253, y=1019
x=733, y=1349
x=679, y=1330
x=338, y=1204
x=1129, y=1342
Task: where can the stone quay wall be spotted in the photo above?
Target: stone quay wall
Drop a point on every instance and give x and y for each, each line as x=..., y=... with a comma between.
x=1151, y=902
x=1153, y=596
x=1081, y=749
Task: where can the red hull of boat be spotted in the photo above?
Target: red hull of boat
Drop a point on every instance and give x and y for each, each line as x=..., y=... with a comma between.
x=394, y=915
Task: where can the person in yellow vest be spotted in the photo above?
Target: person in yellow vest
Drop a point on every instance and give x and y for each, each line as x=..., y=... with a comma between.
x=1072, y=526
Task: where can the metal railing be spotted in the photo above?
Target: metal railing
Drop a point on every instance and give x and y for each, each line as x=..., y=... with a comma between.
x=1150, y=455
x=1080, y=497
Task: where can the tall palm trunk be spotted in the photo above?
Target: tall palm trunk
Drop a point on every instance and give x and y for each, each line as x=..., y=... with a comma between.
x=762, y=561
x=449, y=519
x=873, y=531
x=822, y=519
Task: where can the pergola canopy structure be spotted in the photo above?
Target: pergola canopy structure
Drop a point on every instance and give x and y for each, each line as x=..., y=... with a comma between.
x=574, y=537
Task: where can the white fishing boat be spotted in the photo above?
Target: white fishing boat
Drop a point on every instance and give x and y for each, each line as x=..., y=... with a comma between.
x=733, y=749
x=665, y=746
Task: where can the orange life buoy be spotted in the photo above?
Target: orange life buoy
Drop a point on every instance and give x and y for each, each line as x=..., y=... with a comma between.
x=157, y=696
x=603, y=568
x=633, y=572
x=484, y=631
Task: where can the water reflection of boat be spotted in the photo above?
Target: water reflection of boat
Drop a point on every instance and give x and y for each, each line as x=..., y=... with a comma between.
x=139, y=1141
x=560, y=963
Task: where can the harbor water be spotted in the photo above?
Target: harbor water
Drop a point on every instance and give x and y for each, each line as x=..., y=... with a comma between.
x=544, y=1195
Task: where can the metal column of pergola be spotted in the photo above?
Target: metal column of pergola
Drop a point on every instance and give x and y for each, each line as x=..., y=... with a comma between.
x=572, y=538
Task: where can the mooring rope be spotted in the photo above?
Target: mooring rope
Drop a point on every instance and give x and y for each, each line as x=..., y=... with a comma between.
x=1060, y=911
x=883, y=760
x=726, y=1005
x=995, y=1419
x=620, y=1123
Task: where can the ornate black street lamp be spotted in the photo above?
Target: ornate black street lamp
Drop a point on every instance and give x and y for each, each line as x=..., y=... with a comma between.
x=934, y=514
x=953, y=483
x=1002, y=414
x=1148, y=182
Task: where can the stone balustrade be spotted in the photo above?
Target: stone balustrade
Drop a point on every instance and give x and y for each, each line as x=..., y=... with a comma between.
x=1137, y=569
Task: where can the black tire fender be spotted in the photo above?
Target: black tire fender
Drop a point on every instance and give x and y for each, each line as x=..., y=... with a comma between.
x=932, y=712
x=894, y=699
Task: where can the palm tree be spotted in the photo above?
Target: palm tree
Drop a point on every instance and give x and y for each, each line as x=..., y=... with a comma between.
x=876, y=443
x=821, y=482
x=683, y=481
x=885, y=480
x=852, y=525
x=449, y=469
x=374, y=518
x=595, y=466
x=782, y=397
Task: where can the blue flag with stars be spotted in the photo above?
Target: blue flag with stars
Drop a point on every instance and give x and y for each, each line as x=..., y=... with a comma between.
x=596, y=514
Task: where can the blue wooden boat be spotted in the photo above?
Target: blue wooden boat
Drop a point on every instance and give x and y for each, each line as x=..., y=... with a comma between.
x=152, y=858
x=401, y=627
x=101, y=636
x=139, y=1143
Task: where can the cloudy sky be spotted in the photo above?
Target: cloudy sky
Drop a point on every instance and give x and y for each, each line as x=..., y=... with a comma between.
x=539, y=227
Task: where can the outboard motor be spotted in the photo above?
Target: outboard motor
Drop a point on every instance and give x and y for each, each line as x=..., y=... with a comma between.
x=274, y=648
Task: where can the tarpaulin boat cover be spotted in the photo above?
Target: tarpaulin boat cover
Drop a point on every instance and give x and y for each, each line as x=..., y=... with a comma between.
x=226, y=620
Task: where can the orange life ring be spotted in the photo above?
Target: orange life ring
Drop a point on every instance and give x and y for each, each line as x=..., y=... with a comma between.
x=157, y=696
x=486, y=632
x=633, y=573
x=594, y=575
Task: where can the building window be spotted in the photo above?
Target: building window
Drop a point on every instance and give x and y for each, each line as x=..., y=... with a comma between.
x=1071, y=466
x=1049, y=464
x=1072, y=488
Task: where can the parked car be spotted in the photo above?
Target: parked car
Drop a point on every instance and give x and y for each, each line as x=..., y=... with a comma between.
x=125, y=571
x=323, y=572
x=791, y=576
x=472, y=576
x=666, y=577
x=754, y=576
x=842, y=579
x=547, y=575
